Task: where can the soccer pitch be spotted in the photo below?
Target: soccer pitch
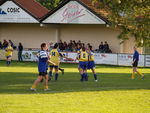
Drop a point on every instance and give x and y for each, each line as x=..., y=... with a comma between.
x=115, y=92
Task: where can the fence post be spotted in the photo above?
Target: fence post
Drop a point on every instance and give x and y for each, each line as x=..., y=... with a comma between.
x=144, y=60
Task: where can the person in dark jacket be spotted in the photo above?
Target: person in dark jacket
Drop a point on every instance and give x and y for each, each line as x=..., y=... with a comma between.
x=20, y=49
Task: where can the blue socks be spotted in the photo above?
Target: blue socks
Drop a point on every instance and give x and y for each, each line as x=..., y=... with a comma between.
x=56, y=76
x=8, y=62
x=50, y=74
x=95, y=76
x=84, y=77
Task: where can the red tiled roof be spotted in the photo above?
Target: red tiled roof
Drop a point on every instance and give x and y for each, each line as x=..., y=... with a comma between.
x=33, y=7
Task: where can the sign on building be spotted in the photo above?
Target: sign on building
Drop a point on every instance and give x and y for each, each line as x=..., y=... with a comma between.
x=75, y=13
x=12, y=13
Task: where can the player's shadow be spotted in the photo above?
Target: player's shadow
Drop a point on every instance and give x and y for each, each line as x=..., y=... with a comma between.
x=19, y=83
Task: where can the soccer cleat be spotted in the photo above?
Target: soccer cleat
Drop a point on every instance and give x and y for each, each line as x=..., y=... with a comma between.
x=46, y=89
x=62, y=71
x=96, y=80
x=49, y=79
x=132, y=77
x=32, y=89
x=81, y=80
x=142, y=77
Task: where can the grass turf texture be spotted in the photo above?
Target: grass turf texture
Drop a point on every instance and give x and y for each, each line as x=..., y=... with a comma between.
x=114, y=93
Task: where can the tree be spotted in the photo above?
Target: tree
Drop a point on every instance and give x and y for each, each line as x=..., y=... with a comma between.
x=50, y=4
x=132, y=17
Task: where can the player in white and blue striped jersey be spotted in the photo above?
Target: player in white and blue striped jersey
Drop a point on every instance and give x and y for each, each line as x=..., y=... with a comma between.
x=42, y=67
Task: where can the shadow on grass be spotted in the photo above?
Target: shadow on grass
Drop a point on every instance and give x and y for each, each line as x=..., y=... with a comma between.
x=63, y=65
x=19, y=83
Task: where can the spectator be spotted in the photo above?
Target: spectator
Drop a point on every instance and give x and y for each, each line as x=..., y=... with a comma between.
x=106, y=48
x=101, y=47
x=20, y=49
x=5, y=44
x=61, y=47
x=65, y=46
x=1, y=46
x=11, y=43
x=70, y=46
x=78, y=47
x=51, y=46
x=79, y=42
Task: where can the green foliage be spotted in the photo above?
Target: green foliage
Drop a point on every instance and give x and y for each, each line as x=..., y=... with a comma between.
x=114, y=93
x=50, y=4
x=132, y=17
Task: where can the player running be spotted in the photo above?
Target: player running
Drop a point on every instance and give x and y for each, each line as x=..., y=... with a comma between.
x=55, y=55
x=8, y=54
x=83, y=63
x=91, y=63
x=42, y=67
x=135, y=64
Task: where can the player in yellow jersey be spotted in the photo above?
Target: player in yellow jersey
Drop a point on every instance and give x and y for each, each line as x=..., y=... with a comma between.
x=83, y=63
x=91, y=63
x=8, y=54
x=55, y=55
x=78, y=50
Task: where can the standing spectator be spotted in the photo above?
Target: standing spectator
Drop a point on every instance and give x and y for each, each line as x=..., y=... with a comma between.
x=1, y=46
x=5, y=44
x=101, y=47
x=20, y=49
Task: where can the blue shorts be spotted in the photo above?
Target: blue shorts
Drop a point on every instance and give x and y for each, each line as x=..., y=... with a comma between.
x=52, y=66
x=83, y=65
x=8, y=56
x=91, y=64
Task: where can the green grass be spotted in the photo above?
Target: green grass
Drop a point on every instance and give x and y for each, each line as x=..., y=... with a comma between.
x=114, y=93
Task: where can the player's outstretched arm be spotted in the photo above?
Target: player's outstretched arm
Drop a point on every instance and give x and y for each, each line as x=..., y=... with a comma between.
x=69, y=59
x=49, y=61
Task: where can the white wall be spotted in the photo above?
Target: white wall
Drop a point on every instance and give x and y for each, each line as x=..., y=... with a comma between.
x=93, y=34
x=31, y=35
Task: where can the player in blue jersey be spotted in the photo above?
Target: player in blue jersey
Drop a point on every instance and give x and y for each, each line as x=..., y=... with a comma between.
x=135, y=64
x=91, y=63
x=42, y=67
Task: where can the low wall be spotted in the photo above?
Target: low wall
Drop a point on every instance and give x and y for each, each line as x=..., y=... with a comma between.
x=100, y=58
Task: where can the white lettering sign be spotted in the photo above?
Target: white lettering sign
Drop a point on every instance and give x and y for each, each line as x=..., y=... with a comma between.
x=10, y=12
x=73, y=12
